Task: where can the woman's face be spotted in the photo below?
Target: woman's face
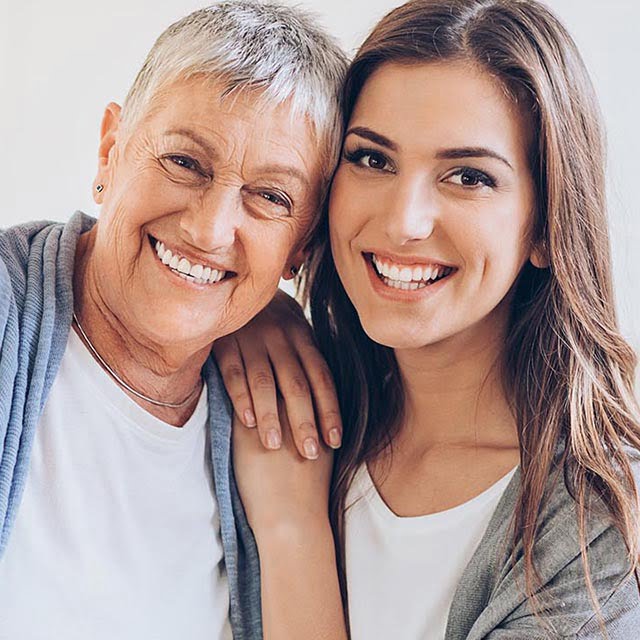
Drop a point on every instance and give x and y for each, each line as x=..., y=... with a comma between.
x=432, y=204
x=205, y=202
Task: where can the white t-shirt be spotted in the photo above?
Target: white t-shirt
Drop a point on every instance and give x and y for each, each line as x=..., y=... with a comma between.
x=402, y=572
x=118, y=533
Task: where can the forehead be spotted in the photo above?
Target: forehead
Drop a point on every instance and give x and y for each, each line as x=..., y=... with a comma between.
x=241, y=124
x=446, y=104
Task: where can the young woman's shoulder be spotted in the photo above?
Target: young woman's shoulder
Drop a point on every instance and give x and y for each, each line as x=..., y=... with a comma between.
x=493, y=581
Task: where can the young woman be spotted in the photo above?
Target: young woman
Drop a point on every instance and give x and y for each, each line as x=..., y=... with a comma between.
x=461, y=293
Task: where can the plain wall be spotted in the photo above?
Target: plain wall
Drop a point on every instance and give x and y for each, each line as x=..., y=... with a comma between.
x=62, y=62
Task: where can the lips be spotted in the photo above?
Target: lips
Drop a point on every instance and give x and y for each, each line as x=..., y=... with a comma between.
x=408, y=277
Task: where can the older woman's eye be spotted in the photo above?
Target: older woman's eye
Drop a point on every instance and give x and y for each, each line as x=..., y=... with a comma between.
x=369, y=159
x=185, y=162
x=471, y=178
x=276, y=198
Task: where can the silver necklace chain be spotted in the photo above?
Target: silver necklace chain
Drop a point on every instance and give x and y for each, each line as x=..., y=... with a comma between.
x=122, y=383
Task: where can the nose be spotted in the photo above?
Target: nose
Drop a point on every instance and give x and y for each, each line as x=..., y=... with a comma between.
x=411, y=210
x=211, y=223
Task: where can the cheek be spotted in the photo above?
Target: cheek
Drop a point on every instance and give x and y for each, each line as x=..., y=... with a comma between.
x=266, y=252
x=495, y=252
x=347, y=214
x=144, y=194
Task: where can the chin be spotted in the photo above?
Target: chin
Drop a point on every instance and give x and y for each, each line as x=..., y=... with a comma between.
x=398, y=335
x=166, y=327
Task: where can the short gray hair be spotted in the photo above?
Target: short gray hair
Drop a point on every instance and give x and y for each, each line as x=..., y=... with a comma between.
x=247, y=44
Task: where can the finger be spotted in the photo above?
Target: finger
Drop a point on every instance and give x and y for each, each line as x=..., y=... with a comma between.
x=323, y=388
x=232, y=370
x=296, y=394
x=262, y=387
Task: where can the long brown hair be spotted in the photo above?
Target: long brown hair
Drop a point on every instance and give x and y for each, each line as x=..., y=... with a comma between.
x=568, y=369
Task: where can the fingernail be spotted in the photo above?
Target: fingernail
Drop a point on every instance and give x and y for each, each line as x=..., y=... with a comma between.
x=310, y=448
x=249, y=418
x=273, y=439
x=334, y=437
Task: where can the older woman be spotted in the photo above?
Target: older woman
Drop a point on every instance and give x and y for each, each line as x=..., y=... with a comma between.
x=119, y=514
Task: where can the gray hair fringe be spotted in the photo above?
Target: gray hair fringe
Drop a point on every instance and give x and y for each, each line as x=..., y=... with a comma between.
x=246, y=44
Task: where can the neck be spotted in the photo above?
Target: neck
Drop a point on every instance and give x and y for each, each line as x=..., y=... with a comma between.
x=454, y=393
x=166, y=373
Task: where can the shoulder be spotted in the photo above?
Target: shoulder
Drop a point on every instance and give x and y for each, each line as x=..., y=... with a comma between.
x=14, y=246
x=500, y=576
x=559, y=538
x=559, y=560
x=38, y=247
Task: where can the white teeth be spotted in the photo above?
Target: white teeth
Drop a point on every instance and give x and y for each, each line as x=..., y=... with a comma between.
x=409, y=278
x=216, y=276
x=197, y=273
x=406, y=286
x=418, y=274
x=382, y=267
x=184, y=266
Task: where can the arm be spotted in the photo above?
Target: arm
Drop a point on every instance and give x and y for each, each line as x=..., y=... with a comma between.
x=276, y=352
x=299, y=583
x=286, y=502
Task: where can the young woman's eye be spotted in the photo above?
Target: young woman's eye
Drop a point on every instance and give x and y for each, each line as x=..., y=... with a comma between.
x=471, y=178
x=369, y=159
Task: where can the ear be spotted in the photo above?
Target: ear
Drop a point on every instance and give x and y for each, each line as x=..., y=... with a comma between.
x=539, y=257
x=108, y=130
x=295, y=260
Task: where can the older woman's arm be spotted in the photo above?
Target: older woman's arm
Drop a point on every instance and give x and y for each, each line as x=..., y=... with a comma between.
x=286, y=501
x=276, y=353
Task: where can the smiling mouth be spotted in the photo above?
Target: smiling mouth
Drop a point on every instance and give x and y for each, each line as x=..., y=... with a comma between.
x=405, y=277
x=184, y=268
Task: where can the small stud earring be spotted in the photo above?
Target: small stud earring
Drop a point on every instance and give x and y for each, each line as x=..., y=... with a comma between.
x=99, y=188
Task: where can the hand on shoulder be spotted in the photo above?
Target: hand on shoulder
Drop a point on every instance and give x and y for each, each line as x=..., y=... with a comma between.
x=283, y=493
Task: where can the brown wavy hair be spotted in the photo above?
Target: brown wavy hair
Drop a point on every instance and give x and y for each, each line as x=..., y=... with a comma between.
x=567, y=367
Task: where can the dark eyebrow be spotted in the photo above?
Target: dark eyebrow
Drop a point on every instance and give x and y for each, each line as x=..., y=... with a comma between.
x=444, y=154
x=368, y=134
x=471, y=152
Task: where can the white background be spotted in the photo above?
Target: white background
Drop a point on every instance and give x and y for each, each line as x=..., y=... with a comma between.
x=61, y=62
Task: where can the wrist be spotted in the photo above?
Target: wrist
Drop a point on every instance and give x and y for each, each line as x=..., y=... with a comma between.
x=294, y=534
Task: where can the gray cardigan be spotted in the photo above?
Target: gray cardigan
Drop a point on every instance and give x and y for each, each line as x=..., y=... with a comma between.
x=36, y=303
x=490, y=604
